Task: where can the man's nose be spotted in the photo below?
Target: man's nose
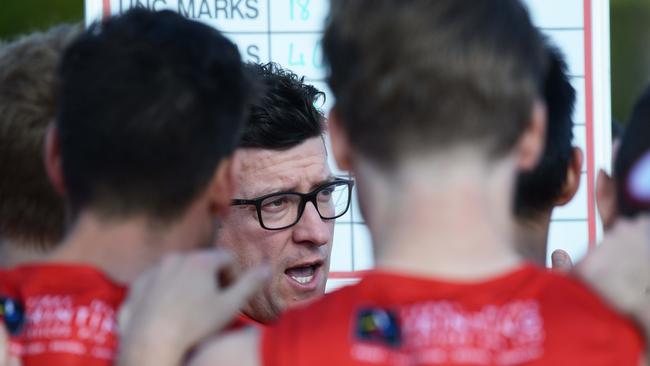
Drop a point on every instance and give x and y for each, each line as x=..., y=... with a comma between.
x=311, y=229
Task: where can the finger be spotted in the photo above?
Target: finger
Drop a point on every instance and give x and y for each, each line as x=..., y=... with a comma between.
x=210, y=258
x=221, y=265
x=139, y=292
x=246, y=286
x=231, y=300
x=561, y=261
x=144, y=283
x=219, y=308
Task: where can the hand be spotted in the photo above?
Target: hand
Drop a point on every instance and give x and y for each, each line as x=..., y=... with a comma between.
x=180, y=302
x=619, y=269
x=561, y=261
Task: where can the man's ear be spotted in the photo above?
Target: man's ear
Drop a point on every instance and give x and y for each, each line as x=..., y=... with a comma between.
x=222, y=186
x=531, y=143
x=606, y=199
x=52, y=160
x=340, y=142
x=572, y=180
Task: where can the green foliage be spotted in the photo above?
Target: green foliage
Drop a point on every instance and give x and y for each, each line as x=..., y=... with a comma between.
x=23, y=16
x=630, y=37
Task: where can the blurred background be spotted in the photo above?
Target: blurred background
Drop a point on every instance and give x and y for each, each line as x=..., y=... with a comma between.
x=630, y=39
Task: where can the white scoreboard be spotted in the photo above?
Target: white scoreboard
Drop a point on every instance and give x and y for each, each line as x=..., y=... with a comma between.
x=289, y=32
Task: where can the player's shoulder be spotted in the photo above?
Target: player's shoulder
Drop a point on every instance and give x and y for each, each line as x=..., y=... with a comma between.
x=7, y=282
x=52, y=278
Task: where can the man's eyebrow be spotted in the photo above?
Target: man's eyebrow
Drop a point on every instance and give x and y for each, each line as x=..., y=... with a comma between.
x=330, y=178
x=293, y=188
x=272, y=190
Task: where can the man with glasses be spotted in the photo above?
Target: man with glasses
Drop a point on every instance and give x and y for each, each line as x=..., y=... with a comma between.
x=286, y=198
x=438, y=107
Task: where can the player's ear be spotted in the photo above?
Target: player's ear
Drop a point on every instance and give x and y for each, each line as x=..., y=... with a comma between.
x=572, y=180
x=531, y=143
x=222, y=186
x=340, y=141
x=606, y=199
x=52, y=160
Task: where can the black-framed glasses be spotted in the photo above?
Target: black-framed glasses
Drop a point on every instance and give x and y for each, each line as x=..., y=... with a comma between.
x=281, y=210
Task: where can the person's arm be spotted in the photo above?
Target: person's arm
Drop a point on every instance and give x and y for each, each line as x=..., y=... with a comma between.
x=619, y=270
x=179, y=304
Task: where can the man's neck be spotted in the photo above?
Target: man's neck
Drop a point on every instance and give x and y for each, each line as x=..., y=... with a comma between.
x=454, y=222
x=532, y=237
x=14, y=253
x=122, y=249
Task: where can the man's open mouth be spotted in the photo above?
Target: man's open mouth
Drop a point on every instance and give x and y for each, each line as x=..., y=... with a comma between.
x=303, y=274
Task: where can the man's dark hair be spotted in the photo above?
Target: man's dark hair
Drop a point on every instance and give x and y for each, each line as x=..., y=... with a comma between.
x=284, y=114
x=150, y=104
x=421, y=75
x=634, y=144
x=538, y=190
x=617, y=130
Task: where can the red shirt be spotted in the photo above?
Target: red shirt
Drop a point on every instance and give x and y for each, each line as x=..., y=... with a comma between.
x=71, y=314
x=529, y=316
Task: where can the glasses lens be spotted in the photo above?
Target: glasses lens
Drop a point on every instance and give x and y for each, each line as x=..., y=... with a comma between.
x=333, y=200
x=280, y=210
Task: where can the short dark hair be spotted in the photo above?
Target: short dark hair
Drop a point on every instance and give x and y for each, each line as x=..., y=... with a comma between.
x=617, y=129
x=284, y=114
x=150, y=103
x=538, y=190
x=414, y=75
x=634, y=144
x=30, y=210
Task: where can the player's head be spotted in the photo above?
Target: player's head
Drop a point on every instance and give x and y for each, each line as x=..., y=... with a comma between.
x=282, y=150
x=462, y=78
x=556, y=178
x=617, y=195
x=31, y=213
x=151, y=106
x=553, y=181
x=421, y=80
x=631, y=170
x=617, y=131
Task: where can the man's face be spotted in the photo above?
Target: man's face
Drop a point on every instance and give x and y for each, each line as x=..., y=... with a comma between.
x=299, y=255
